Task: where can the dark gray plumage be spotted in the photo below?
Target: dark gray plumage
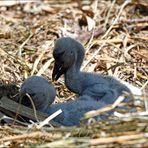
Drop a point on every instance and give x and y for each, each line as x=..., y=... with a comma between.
x=43, y=95
x=69, y=54
x=41, y=91
x=72, y=111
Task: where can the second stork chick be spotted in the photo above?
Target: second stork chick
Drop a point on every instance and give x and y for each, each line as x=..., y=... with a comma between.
x=40, y=90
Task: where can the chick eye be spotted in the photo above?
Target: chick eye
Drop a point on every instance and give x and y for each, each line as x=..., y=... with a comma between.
x=57, y=56
x=71, y=52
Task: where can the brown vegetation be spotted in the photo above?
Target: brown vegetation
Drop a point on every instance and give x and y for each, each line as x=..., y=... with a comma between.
x=115, y=35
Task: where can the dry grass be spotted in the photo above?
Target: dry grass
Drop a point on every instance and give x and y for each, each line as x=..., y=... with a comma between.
x=115, y=34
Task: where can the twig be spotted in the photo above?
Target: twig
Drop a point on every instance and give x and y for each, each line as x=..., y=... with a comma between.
x=44, y=67
x=108, y=14
x=94, y=55
x=23, y=44
x=131, y=116
x=117, y=18
x=118, y=139
x=35, y=64
x=33, y=106
x=33, y=135
x=93, y=31
x=105, y=109
x=131, y=21
x=17, y=121
x=45, y=122
x=144, y=85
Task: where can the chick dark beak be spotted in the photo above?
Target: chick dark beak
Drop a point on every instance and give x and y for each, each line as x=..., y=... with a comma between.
x=58, y=71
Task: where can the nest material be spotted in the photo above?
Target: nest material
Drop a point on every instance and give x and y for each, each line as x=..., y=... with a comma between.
x=116, y=39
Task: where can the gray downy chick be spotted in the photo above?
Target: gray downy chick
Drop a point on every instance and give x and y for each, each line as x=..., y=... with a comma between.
x=41, y=91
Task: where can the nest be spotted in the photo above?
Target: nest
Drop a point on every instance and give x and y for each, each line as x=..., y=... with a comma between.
x=115, y=36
